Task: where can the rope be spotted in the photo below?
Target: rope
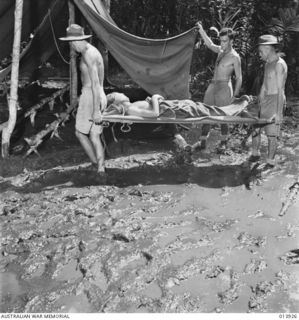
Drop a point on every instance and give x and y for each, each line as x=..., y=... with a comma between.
x=164, y=48
x=55, y=41
x=113, y=133
x=95, y=7
x=125, y=127
x=102, y=138
x=12, y=99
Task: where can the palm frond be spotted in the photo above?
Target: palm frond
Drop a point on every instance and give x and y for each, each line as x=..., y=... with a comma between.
x=283, y=16
x=294, y=26
x=230, y=16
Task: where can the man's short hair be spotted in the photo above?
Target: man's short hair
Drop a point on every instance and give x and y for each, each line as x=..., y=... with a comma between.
x=116, y=97
x=227, y=32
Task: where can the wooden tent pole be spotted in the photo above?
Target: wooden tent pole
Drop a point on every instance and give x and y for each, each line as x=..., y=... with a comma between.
x=73, y=64
x=102, y=47
x=7, y=130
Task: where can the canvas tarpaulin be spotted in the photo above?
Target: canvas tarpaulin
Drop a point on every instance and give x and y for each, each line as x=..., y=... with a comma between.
x=42, y=45
x=33, y=13
x=158, y=66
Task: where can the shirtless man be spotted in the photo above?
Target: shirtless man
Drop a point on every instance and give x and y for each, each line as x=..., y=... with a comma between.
x=220, y=91
x=93, y=99
x=118, y=103
x=271, y=97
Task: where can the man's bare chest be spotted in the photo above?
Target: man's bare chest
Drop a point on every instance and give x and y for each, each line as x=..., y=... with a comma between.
x=224, y=62
x=270, y=73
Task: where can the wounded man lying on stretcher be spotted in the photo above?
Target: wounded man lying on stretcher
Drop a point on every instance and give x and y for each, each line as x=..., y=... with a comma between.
x=157, y=106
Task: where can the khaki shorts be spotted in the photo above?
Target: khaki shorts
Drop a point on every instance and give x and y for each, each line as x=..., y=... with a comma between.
x=85, y=112
x=219, y=93
x=271, y=130
x=268, y=108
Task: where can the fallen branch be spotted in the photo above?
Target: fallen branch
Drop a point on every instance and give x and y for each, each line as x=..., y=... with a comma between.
x=50, y=100
x=294, y=190
x=37, y=139
x=32, y=112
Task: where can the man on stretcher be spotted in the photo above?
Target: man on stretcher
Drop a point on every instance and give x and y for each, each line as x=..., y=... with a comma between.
x=120, y=104
x=157, y=106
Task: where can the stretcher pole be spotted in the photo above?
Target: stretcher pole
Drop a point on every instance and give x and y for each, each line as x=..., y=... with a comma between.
x=101, y=46
x=73, y=63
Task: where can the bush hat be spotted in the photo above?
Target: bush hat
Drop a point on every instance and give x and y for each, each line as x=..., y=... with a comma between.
x=267, y=39
x=75, y=33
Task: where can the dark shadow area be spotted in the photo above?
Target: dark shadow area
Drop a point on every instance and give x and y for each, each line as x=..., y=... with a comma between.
x=215, y=176
x=67, y=153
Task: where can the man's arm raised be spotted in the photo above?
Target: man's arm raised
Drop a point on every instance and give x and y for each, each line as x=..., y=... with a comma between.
x=208, y=42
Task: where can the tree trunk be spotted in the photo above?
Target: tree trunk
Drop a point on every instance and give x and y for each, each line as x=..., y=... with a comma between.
x=7, y=131
x=73, y=64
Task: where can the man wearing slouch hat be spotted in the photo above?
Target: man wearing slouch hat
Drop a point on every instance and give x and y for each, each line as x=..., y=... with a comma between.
x=93, y=99
x=271, y=98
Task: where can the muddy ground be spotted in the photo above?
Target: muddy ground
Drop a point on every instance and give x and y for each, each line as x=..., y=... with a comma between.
x=160, y=235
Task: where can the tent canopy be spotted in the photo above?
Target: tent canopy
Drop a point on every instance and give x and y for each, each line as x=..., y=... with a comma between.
x=33, y=14
x=159, y=66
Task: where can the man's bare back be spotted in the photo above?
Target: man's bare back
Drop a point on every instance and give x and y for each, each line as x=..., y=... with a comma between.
x=97, y=57
x=92, y=73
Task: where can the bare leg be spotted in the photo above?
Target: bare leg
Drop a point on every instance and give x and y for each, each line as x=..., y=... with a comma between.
x=205, y=130
x=180, y=142
x=87, y=146
x=256, y=142
x=99, y=151
x=224, y=132
x=209, y=98
x=272, y=147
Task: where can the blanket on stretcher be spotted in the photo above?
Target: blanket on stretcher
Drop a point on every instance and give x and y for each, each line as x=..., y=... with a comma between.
x=182, y=109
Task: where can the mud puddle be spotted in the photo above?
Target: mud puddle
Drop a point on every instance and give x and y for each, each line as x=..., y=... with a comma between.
x=154, y=237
